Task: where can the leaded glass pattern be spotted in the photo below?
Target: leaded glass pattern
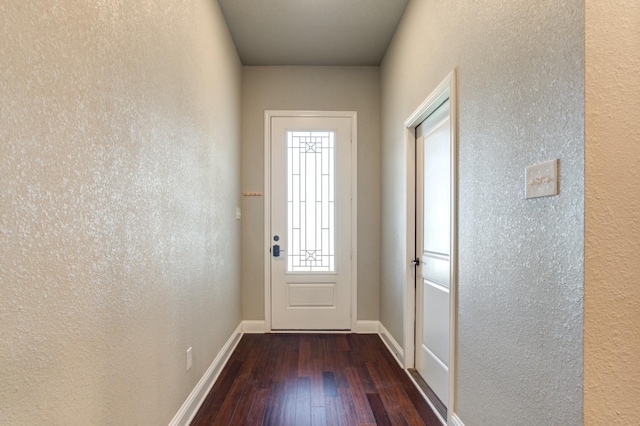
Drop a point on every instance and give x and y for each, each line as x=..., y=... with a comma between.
x=311, y=201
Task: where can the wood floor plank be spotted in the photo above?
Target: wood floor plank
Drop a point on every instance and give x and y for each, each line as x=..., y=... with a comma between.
x=317, y=348
x=303, y=401
x=334, y=414
x=261, y=351
x=407, y=409
x=228, y=407
x=379, y=412
x=304, y=358
x=341, y=342
x=318, y=416
x=365, y=379
x=317, y=391
x=290, y=407
x=258, y=407
x=347, y=408
x=359, y=396
x=313, y=379
x=383, y=386
x=397, y=419
x=273, y=414
x=241, y=413
x=341, y=377
x=265, y=373
x=235, y=394
x=394, y=376
x=329, y=384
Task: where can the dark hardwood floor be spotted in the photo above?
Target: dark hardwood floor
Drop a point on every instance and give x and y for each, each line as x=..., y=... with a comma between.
x=313, y=379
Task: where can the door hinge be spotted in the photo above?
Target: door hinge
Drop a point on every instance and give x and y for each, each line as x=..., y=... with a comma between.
x=415, y=262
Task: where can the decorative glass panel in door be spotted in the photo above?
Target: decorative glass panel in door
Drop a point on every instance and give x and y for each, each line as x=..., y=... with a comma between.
x=311, y=201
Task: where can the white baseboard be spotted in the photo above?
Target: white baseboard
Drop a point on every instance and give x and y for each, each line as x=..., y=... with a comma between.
x=197, y=396
x=455, y=420
x=393, y=346
x=367, y=327
x=254, y=326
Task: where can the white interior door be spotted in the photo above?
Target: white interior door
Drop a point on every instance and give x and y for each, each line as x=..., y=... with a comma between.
x=310, y=223
x=433, y=249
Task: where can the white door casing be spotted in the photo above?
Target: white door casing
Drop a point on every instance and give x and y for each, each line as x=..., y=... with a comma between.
x=309, y=211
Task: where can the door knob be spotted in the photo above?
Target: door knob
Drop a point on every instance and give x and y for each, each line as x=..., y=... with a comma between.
x=415, y=262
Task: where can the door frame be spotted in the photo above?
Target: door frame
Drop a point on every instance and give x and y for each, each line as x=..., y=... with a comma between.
x=268, y=116
x=447, y=88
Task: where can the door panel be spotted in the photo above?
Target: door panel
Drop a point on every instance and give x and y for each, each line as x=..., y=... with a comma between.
x=311, y=223
x=436, y=269
x=438, y=378
x=308, y=295
x=437, y=191
x=433, y=248
x=436, y=320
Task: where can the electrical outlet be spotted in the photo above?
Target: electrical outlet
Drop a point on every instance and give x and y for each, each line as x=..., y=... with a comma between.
x=238, y=213
x=189, y=358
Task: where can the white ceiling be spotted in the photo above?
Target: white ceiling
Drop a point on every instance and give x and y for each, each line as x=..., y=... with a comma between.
x=312, y=32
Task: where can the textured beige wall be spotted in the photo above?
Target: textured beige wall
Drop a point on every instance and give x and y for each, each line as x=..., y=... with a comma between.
x=311, y=88
x=521, y=75
x=119, y=165
x=612, y=220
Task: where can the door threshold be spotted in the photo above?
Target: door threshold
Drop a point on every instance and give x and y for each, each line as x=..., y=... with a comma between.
x=433, y=398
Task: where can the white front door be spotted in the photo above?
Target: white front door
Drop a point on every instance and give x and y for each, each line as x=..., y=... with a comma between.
x=433, y=249
x=310, y=222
